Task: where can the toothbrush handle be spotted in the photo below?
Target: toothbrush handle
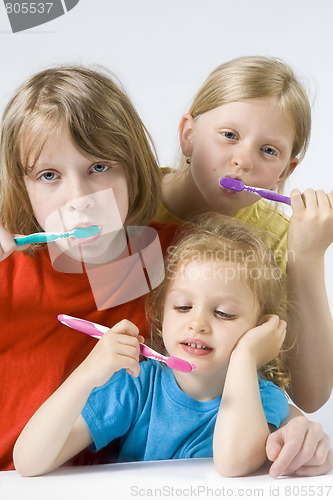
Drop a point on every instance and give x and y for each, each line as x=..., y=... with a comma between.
x=84, y=326
x=97, y=331
x=271, y=195
x=31, y=238
x=148, y=352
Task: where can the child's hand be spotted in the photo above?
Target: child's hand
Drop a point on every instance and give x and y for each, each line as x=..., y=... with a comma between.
x=264, y=341
x=7, y=243
x=300, y=447
x=118, y=348
x=311, y=224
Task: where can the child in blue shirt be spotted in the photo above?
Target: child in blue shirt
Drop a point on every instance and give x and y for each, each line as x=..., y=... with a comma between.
x=221, y=308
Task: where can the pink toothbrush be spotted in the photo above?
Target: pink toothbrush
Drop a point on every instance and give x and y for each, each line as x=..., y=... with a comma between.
x=97, y=331
x=237, y=185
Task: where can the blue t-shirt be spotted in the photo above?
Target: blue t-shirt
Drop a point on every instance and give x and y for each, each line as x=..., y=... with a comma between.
x=156, y=420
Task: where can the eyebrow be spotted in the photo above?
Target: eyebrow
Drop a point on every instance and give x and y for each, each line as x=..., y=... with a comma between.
x=44, y=164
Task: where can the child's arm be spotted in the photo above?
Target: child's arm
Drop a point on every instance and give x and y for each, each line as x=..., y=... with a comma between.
x=241, y=429
x=57, y=432
x=310, y=362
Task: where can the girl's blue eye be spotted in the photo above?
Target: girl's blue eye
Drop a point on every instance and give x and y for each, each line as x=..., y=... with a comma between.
x=229, y=135
x=224, y=315
x=269, y=151
x=100, y=168
x=182, y=308
x=49, y=176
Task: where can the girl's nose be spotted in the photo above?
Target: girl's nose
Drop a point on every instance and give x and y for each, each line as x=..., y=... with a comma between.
x=82, y=203
x=242, y=159
x=80, y=198
x=198, y=325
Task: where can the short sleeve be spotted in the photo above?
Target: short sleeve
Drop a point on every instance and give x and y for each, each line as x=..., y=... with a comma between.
x=110, y=409
x=274, y=402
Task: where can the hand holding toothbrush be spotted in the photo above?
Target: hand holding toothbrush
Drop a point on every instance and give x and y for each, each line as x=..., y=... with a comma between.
x=7, y=244
x=10, y=243
x=311, y=224
x=57, y=431
x=118, y=348
x=97, y=331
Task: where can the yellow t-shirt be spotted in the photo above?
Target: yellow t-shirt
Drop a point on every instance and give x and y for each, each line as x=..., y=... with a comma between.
x=261, y=214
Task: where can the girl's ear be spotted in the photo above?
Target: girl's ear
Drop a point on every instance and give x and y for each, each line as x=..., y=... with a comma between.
x=186, y=133
x=287, y=171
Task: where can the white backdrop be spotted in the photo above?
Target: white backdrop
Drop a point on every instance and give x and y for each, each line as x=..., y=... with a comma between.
x=162, y=50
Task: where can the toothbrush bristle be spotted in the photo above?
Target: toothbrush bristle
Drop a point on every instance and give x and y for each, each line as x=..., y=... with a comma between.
x=85, y=232
x=180, y=365
x=233, y=184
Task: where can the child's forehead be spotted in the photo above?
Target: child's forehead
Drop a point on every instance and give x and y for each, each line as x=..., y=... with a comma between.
x=42, y=140
x=34, y=136
x=218, y=276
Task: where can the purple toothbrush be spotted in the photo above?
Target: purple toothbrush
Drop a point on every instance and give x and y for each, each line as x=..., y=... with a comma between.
x=97, y=331
x=237, y=185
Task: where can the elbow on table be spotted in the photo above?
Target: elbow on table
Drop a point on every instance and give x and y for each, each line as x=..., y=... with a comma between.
x=24, y=464
x=239, y=466
x=26, y=470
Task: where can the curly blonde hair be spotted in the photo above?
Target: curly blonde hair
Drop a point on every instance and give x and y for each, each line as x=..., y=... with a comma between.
x=222, y=238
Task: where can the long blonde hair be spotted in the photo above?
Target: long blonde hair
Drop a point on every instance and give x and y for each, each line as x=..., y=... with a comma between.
x=255, y=77
x=222, y=238
x=102, y=122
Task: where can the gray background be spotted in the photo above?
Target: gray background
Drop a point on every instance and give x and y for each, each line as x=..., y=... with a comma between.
x=162, y=50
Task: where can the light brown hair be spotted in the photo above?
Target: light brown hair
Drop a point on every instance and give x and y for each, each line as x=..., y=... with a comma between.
x=102, y=123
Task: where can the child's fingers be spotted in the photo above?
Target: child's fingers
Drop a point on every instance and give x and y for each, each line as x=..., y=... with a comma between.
x=288, y=451
x=282, y=328
x=134, y=369
x=7, y=243
x=311, y=199
x=274, y=445
x=296, y=199
x=330, y=198
x=298, y=447
x=317, y=470
x=130, y=348
x=323, y=200
x=126, y=327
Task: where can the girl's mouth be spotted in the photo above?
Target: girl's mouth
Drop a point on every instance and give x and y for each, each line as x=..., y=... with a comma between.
x=88, y=240
x=196, y=347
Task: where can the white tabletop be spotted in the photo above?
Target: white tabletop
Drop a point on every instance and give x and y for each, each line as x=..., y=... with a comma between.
x=174, y=479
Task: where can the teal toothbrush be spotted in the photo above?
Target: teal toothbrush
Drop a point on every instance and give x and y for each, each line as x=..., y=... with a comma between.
x=79, y=232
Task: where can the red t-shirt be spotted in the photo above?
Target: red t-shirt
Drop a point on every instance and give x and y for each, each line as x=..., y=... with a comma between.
x=37, y=353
